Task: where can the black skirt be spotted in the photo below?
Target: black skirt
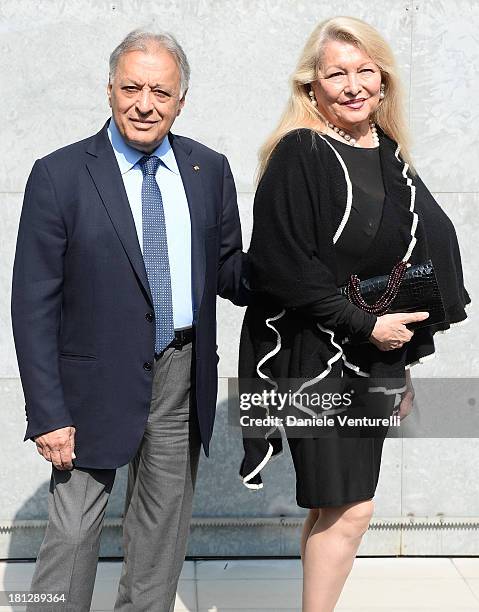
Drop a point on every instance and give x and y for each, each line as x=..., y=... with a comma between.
x=342, y=465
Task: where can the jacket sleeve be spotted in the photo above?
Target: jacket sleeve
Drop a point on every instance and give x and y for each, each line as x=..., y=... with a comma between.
x=284, y=256
x=233, y=270
x=36, y=304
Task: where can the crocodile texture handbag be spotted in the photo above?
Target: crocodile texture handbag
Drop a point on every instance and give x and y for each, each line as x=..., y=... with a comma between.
x=406, y=289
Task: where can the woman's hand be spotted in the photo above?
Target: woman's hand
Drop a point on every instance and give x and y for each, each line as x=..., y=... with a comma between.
x=390, y=331
x=407, y=398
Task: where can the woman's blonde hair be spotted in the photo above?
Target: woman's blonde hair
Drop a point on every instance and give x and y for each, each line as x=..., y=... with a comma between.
x=300, y=113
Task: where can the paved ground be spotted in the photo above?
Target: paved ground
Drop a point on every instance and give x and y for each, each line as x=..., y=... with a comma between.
x=375, y=584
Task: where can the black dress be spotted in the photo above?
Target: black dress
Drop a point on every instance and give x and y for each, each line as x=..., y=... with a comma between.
x=324, y=210
x=347, y=467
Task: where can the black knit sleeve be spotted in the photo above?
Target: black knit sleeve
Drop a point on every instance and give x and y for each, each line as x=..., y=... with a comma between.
x=286, y=265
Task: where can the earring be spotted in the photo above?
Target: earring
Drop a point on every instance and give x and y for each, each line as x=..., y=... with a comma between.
x=313, y=100
x=381, y=94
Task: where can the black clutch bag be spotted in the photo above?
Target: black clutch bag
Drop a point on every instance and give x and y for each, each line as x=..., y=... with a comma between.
x=406, y=289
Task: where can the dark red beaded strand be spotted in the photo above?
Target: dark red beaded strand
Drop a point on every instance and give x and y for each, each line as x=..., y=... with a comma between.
x=387, y=298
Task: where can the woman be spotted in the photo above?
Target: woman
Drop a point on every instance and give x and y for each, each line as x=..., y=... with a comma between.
x=338, y=196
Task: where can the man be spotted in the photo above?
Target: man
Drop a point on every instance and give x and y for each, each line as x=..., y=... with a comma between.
x=125, y=239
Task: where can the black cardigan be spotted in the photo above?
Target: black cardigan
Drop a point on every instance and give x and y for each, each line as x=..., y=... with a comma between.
x=298, y=326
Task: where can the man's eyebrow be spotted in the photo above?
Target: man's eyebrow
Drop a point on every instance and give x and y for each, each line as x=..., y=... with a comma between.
x=137, y=84
x=129, y=81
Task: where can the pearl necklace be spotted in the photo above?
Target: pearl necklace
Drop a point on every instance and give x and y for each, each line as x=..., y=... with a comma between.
x=349, y=139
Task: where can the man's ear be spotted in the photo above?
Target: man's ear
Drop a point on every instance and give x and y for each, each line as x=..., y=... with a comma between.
x=108, y=92
x=181, y=103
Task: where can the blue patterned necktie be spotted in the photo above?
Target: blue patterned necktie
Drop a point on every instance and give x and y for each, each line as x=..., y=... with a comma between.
x=155, y=253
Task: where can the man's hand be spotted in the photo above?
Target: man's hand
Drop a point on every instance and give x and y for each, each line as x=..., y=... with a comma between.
x=390, y=331
x=58, y=446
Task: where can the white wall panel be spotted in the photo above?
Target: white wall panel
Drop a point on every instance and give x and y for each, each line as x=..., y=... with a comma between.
x=54, y=57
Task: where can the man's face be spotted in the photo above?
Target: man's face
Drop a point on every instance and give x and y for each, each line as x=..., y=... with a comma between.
x=145, y=97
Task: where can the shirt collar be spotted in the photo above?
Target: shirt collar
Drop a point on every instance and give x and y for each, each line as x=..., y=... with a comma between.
x=127, y=157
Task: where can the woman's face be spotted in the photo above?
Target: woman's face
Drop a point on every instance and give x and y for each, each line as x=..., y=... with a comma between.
x=348, y=86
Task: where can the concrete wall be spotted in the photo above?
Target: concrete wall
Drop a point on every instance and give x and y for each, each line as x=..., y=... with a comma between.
x=53, y=65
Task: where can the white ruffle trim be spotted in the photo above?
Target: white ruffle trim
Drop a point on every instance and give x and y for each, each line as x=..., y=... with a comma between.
x=267, y=459
x=429, y=357
x=257, y=469
x=415, y=218
x=354, y=367
x=338, y=354
x=349, y=192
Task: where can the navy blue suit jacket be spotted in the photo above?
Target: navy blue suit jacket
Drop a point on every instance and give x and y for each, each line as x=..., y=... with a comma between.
x=81, y=303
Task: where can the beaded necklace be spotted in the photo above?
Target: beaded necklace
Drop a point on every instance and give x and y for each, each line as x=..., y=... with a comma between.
x=349, y=139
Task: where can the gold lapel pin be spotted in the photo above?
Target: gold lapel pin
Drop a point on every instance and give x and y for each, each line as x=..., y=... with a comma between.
x=196, y=168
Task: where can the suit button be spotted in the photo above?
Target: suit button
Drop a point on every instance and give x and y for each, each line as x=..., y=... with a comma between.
x=149, y=317
x=147, y=366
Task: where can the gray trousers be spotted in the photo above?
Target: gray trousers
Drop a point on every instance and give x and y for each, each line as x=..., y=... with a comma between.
x=161, y=481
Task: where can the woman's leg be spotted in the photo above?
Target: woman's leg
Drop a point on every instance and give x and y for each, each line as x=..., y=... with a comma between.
x=309, y=523
x=329, y=552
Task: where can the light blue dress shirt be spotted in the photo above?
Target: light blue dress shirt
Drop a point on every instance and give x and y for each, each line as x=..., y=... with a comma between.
x=177, y=215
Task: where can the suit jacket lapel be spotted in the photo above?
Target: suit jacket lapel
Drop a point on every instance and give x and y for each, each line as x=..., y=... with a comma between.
x=106, y=175
x=190, y=172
